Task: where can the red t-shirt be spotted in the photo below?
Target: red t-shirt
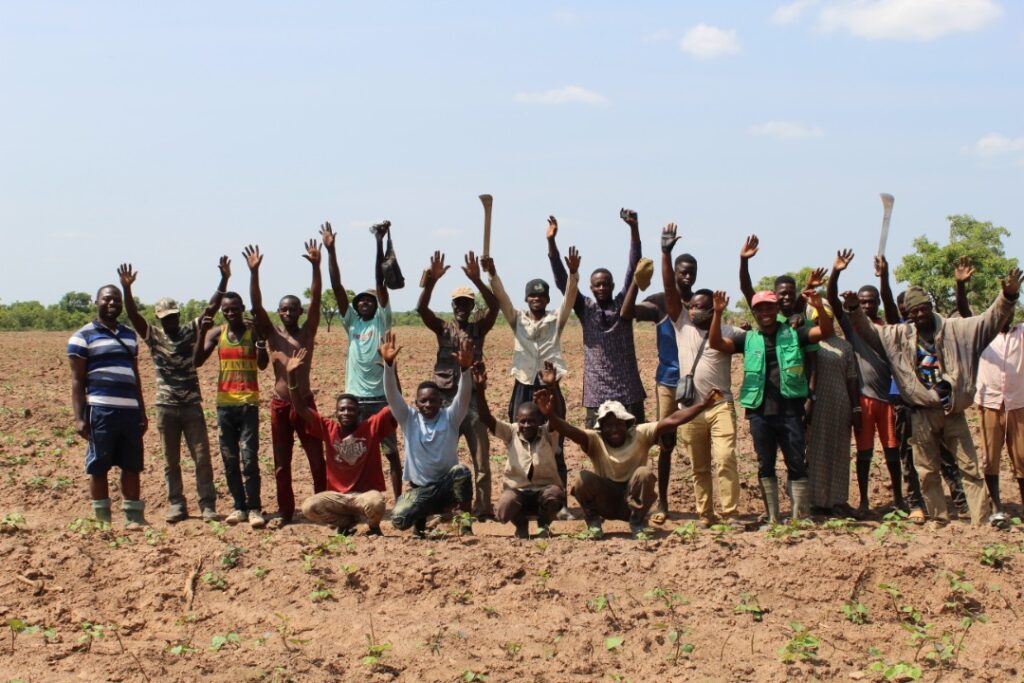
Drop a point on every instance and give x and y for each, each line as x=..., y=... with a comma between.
x=353, y=459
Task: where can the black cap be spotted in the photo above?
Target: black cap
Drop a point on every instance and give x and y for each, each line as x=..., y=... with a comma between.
x=537, y=286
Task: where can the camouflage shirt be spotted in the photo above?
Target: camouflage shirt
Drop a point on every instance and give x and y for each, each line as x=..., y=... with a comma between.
x=176, y=381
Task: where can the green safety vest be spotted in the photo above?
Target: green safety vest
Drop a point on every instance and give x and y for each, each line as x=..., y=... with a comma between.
x=792, y=380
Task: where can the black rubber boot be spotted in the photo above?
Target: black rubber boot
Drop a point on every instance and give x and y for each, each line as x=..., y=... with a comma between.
x=892, y=463
x=992, y=483
x=863, y=473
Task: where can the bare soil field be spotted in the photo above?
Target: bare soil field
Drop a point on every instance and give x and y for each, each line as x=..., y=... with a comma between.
x=200, y=601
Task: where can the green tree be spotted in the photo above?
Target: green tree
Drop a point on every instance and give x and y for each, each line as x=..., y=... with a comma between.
x=766, y=283
x=76, y=302
x=328, y=304
x=931, y=265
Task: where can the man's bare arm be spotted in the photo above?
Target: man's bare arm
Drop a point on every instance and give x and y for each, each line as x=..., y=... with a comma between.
x=963, y=274
x=78, y=401
x=127, y=277
x=261, y=320
x=673, y=302
x=472, y=271
x=748, y=252
x=842, y=262
x=224, y=266
x=434, y=273
x=480, y=383
x=546, y=403
x=892, y=311
x=715, y=338
x=341, y=296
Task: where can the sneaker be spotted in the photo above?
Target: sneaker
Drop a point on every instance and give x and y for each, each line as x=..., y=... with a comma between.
x=209, y=515
x=256, y=519
x=236, y=517
x=174, y=516
x=565, y=515
x=999, y=520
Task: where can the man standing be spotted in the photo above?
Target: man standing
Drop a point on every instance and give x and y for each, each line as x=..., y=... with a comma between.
x=875, y=407
x=934, y=362
x=106, y=400
x=179, y=403
x=609, y=357
x=286, y=340
x=355, y=479
x=365, y=321
x=446, y=372
x=238, y=405
x=774, y=390
x=654, y=309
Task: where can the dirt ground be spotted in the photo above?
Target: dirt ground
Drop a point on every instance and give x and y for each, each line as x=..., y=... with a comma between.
x=298, y=604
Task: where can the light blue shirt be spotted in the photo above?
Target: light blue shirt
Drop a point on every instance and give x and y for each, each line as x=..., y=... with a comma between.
x=431, y=446
x=363, y=372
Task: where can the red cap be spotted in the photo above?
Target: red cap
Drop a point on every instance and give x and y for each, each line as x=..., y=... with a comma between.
x=764, y=298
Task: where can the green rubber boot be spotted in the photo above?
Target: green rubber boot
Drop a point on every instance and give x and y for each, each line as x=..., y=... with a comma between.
x=101, y=510
x=770, y=494
x=134, y=514
x=801, y=498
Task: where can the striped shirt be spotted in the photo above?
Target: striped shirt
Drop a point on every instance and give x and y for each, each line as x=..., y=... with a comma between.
x=109, y=364
x=237, y=381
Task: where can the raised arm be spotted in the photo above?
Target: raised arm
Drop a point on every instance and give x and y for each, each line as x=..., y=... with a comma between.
x=963, y=274
x=630, y=218
x=573, y=260
x=558, y=269
x=986, y=326
x=546, y=404
x=673, y=302
x=628, y=309
x=862, y=327
x=328, y=236
x=434, y=273
x=683, y=415
x=389, y=351
x=127, y=277
x=315, y=287
x=825, y=327
x=224, y=266
x=253, y=258
x=504, y=303
x=460, y=404
x=482, y=409
x=472, y=271
x=842, y=262
x=209, y=339
x=378, y=268
x=892, y=311
x=748, y=252
x=715, y=338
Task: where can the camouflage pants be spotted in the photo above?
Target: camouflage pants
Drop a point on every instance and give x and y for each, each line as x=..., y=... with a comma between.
x=455, y=488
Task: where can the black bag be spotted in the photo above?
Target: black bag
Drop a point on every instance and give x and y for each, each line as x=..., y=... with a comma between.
x=393, y=278
x=686, y=392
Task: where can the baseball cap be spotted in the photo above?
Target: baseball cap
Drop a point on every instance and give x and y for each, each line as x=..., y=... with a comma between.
x=366, y=292
x=463, y=293
x=166, y=307
x=764, y=298
x=614, y=408
x=537, y=286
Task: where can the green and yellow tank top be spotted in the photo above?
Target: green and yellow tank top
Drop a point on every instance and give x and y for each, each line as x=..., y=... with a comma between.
x=237, y=382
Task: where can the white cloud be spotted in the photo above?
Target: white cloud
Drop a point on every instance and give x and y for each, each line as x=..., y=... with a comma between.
x=920, y=20
x=995, y=145
x=785, y=130
x=570, y=94
x=790, y=14
x=708, y=42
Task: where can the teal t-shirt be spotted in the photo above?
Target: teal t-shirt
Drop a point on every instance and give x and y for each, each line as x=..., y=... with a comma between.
x=364, y=373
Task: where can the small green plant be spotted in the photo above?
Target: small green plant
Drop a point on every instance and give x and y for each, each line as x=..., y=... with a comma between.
x=602, y=602
x=231, y=556
x=490, y=612
x=351, y=573
x=688, y=532
x=216, y=528
x=472, y=677
x=587, y=534
x=284, y=630
x=154, y=536
x=894, y=525
x=512, y=648
x=802, y=644
x=846, y=525
x=750, y=605
x=90, y=633
x=215, y=581
x=461, y=597
x=321, y=592
x=543, y=575
x=462, y=523
x=17, y=627
x=61, y=483
x=899, y=671
x=995, y=555
x=87, y=526
x=11, y=522
x=220, y=641
x=855, y=613
x=680, y=648
x=181, y=648
x=37, y=482
x=374, y=651
x=613, y=643
x=260, y=572
x=121, y=542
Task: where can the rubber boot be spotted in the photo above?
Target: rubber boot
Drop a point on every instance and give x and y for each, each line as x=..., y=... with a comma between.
x=101, y=510
x=801, y=498
x=998, y=518
x=863, y=473
x=892, y=463
x=134, y=514
x=770, y=495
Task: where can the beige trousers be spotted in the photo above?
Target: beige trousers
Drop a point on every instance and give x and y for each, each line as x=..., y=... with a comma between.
x=932, y=427
x=344, y=509
x=711, y=438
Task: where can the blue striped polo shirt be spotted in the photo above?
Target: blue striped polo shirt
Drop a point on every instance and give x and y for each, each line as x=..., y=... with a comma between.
x=109, y=366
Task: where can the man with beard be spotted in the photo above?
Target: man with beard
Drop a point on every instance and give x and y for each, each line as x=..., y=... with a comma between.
x=290, y=337
x=446, y=372
x=106, y=400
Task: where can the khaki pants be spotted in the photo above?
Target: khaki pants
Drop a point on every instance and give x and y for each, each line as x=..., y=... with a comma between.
x=711, y=437
x=1000, y=427
x=624, y=500
x=343, y=510
x=932, y=428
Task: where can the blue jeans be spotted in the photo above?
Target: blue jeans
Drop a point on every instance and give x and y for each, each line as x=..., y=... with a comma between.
x=455, y=488
x=239, y=448
x=772, y=433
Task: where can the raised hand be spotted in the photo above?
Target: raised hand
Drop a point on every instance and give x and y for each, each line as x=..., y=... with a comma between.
x=843, y=258
x=327, y=235
x=552, y=227
x=472, y=267
x=669, y=238
x=850, y=300
x=572, y=261
x=464, y=356
x=205, y=323
x=126, y=274
x=629, y=216
x=389, y=348
x=750, y=247
x=720, y=301
x=545, y=402
x=437, y=267
x=312, y=252
x=224, y=266
x=253, y=257
x=295, y=362
x=487, y=263
x=964, y=270
x=881, y=266
x=480, y=374
x=812, y=297
x=549, y=374
x=1011, y=285
x=817, y=278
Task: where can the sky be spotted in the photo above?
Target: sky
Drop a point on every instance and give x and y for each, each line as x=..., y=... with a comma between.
x=167, y=134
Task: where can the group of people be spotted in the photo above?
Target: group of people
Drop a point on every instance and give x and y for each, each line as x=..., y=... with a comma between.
x=906, y=379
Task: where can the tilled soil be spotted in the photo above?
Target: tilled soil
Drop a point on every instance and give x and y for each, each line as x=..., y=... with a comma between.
x=195, y=600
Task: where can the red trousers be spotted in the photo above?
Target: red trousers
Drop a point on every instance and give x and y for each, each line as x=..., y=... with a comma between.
x=284, y=424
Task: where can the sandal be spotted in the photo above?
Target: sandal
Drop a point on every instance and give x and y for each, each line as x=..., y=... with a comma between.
x=916, y=516
x=658, y=518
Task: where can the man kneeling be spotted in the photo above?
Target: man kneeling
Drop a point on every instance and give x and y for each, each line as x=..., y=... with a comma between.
x=355, y=478
x=621, y=485
x=532, y=483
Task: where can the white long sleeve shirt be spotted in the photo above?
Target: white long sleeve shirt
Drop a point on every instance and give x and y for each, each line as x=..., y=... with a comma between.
x=1001, y=371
